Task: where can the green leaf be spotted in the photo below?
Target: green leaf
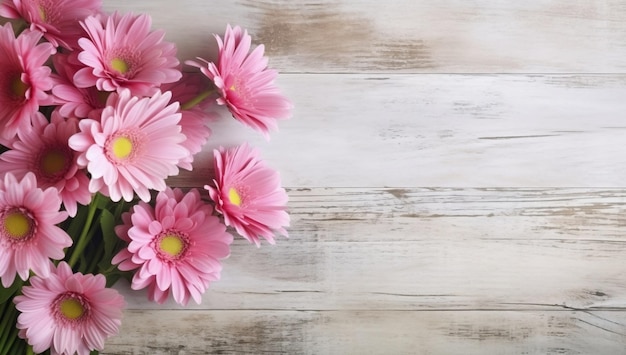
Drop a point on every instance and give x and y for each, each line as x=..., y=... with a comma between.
x=109, y=238
x=7, y=293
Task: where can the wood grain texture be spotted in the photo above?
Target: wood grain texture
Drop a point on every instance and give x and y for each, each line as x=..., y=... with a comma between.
x=456, y=179
x=447, y=36
x=433, y=249
x=442, y=130
x=420, y=270
x=370, y=332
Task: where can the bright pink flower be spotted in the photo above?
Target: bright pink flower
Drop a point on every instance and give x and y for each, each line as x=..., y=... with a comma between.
x=123, y=52
x=245, y=83
x=29, y=236
x=176, y=245
x=71, y=100
x=68, y=313
x=57, y=20
x=44, y=151
x=248, y=194
x=24, y=78
x=135, y=146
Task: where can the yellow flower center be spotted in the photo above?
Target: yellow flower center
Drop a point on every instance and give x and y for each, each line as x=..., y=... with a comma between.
x=17, y=225
x=234, y=197
x=71, y=308
x=172, y=245
x=42, y=13
x=119, y=65
x=53, y=162
x=19, y=88
x=122, y=147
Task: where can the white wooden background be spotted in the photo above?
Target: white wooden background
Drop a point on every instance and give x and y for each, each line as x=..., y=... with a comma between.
x=457, y=180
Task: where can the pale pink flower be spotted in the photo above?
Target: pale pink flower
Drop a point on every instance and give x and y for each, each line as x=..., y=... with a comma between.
x=68, y=313
x=248, y=194
x=123, y=52
x=73, y=101
x=176, y=246
x=29, y=237
x=24, y=78
x=44, y=151
x=244, y=82
x=57, y=20
x=134, y=147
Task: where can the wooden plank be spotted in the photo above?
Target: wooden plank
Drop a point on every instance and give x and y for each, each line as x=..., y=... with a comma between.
x=447, y=36
x=366, y=332
x=441, y=130
x=432, y=249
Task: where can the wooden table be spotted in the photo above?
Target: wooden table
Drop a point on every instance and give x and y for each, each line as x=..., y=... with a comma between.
x=456, y=172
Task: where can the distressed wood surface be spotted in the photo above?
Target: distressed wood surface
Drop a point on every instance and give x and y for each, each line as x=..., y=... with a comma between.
x=456, y=176
x=415, y=36
x=443, y=130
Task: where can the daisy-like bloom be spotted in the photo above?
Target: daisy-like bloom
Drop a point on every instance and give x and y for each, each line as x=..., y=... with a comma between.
x=123, y=52
x=244, y=82
x=71, y=100
x=195, y=119
x=248, y=194
x=44, y=151
x=134, y=147
x=68, y=313
x=176, y=246
x=24, y=78
x=57, y=20
x=29, y=237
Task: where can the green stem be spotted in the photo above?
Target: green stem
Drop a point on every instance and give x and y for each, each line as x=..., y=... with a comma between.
x=83, y=239
x=196, y=100
x=93, y=264
x=14, y=341
x=9, y=320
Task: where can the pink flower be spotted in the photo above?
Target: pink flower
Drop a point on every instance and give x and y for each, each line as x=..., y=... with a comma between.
x=194, y=120
x=57, y=20
x=68, y=313
x=135, y=146
x=245, y=83
x=44, y=151
x=28, y=232
x=248, y=194
x=71, y=100
x=122, y=52
x=176, y=246
x=24, y=78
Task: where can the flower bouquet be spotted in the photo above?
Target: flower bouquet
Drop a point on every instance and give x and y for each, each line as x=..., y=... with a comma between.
x=96, y=113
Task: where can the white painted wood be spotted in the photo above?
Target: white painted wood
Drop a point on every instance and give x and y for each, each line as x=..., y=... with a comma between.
x=444, y=36
x=433, y=249
x=442, y=130
x=432, y=212
x=370, y=332
x=441, y=271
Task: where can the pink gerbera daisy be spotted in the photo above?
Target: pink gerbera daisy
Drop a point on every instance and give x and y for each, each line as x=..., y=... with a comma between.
x=244, y=82
x=29, y=236
x=24, y=78
x=176, y=245
x=44, y=150
x=68, y=313
x=195, y=119
x=57, y=20
x=123, y=52
x=71, y=100
x=248, y=194
x=135, y=146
